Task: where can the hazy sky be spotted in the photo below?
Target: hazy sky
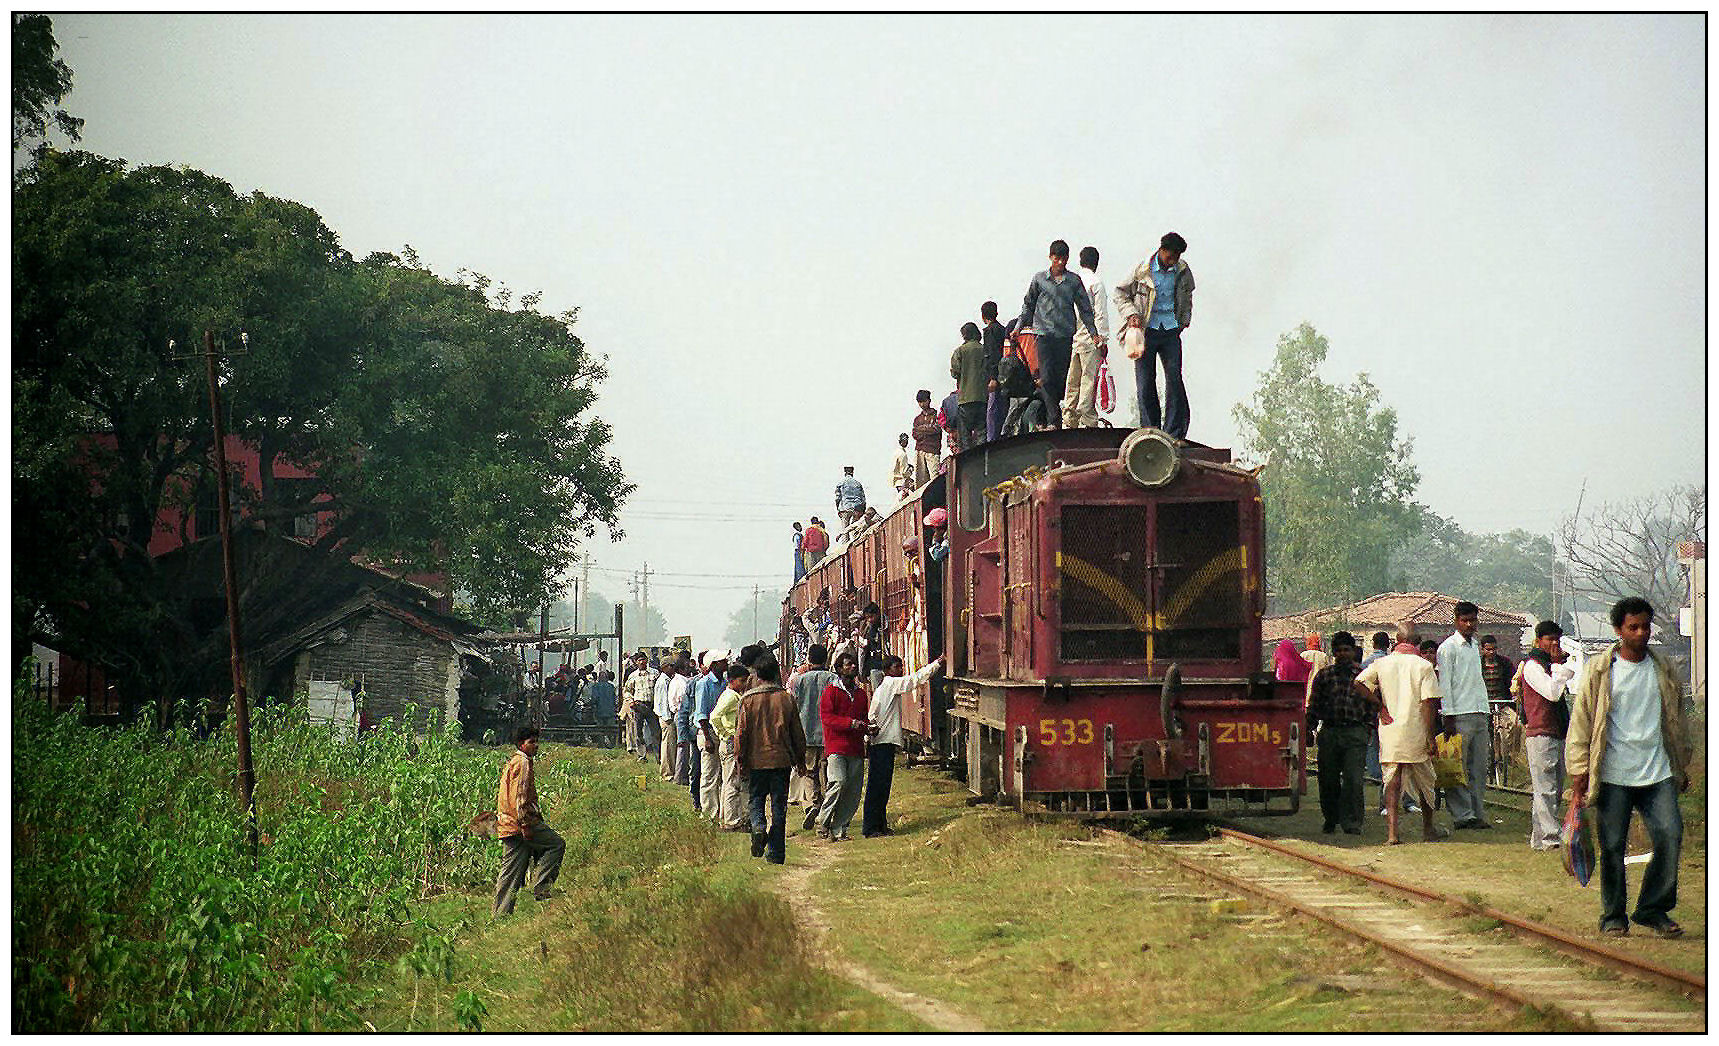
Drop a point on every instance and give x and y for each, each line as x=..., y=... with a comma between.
x=774, y=227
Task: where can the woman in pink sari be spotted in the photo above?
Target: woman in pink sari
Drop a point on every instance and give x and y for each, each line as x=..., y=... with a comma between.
x=1290, y=666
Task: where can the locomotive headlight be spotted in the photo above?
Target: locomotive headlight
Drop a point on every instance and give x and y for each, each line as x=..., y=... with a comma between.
x=1149, y=457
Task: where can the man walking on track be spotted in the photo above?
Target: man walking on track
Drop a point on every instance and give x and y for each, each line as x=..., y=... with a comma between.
x=1404, y=680
x=768, y=743
x=1628, y=749
x=526, y=841
x=1056, y=299
x=1159, y=296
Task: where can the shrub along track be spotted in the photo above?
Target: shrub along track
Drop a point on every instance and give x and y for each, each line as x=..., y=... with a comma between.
x=1456, y=942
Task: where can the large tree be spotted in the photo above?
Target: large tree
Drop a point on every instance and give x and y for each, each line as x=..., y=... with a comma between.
x=40, y=80
x=450, y=429
x=1629, y=548
x=1338, y=484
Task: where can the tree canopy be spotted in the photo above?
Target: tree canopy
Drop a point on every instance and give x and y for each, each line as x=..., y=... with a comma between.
x=766, y=610
x=1510, y=571
x=451, y=429
x=39, y=81
x=1338, y=484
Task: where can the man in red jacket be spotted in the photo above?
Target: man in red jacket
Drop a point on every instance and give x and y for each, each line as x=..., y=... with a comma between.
x=815, y=543
x=845, y=712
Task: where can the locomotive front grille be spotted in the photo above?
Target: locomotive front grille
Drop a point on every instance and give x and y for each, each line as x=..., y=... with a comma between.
x=1105, y=615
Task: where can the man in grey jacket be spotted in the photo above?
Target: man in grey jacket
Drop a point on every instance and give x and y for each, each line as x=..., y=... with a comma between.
x=1159, y=296
x=1055, y=300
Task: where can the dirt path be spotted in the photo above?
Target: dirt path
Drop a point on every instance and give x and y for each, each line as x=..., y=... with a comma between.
x=796, y=885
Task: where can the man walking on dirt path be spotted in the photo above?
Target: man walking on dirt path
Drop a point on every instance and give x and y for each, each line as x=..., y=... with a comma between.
x=1628, y=749
x=1404, y=680
x=769, y=741
x=1468, y=714
x=808, y=687
x=1546, y=675
x=526, y=841
x=1056, y=299
x=1159, y=297
x=845, y=713
x=884, y=714
x=1343, y=720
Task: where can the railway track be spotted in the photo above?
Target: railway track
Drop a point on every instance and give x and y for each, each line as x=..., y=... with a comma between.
x=1467, y=946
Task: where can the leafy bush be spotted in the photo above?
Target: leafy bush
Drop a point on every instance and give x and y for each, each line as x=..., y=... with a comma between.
x=137, y=905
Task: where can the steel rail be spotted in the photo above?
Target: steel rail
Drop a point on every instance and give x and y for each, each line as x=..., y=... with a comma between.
x=1538, y=933
x=1439, y=970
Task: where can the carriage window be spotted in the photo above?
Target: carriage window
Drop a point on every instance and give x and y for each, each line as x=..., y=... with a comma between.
x=1201, y=606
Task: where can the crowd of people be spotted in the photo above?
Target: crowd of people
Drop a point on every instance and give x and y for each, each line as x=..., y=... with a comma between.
x=1613, y=722
x=1039, y=371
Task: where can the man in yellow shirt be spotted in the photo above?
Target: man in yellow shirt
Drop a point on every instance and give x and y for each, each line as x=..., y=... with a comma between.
x=722, y=720
x=526, y=841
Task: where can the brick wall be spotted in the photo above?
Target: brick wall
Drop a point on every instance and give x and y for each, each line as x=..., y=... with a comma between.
x=398, y=665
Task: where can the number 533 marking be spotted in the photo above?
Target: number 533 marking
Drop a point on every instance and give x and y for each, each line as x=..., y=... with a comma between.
x=1065, y=732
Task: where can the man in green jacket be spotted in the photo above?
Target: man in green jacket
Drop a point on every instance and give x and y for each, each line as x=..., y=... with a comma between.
x=1628, y=749
x=967, y=367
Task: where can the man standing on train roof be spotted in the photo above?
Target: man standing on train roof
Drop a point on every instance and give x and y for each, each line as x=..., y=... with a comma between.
x=927, y=440
x=996, y=400
x=1159, y=296
x=967, y=367
x=901, y=472
x=816, y=543
x=1628, y=749
x=949, y=420
x=1468, y=714
x=1404, y=681
x=1055, y=299
x=1080, y=401
x=850, y=497
x=799, y=552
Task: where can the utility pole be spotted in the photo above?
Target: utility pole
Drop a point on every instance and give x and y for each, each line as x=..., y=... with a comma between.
x=235, y=645
x=755, y=613
x=645, y=587
x=540, y=707
x=584, y=612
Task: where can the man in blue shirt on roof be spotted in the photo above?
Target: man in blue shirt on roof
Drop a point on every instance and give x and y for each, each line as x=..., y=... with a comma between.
x=1055, y=300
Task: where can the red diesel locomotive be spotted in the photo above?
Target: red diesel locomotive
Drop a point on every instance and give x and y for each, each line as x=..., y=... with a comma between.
x=1099, y=615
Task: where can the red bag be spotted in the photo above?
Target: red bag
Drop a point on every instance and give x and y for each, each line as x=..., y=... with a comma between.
x=1106, y=387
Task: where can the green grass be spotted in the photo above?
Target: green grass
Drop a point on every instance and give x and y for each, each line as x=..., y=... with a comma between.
x=1032, y=928
x=137, y=908
x=666, y=926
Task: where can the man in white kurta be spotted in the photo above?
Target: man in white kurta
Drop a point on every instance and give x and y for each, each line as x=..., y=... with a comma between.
x=1406, y=683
